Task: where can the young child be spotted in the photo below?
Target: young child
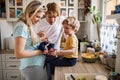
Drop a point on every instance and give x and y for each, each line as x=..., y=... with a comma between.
x=70, y=52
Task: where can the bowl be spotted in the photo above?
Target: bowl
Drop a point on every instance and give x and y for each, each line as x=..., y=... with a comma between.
x=100, y=77
x=89, y=57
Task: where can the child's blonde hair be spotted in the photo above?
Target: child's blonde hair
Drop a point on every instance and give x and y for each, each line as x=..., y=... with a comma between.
x=73, y=22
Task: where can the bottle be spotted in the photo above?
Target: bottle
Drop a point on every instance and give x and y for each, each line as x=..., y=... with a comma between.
x=112, y=75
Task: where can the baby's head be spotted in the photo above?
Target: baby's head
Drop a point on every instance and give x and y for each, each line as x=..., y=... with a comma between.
x=71, y=23
x=42, y=34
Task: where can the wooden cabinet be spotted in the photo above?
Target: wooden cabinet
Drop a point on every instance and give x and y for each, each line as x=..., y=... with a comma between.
x=73, y=8
x=1, y=72
x=1, y=77
x=67, y=7
x=0, y=62
x=14, y=9
x=80, y=10
x=10, y=67
x=12, y=75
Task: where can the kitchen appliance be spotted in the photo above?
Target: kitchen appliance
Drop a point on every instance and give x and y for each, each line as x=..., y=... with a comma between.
x=83, y=46
x=9, y=43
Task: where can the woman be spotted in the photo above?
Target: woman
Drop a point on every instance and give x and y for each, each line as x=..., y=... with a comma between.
x=32, y=60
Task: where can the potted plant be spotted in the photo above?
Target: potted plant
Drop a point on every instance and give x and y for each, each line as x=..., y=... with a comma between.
x=96, y=19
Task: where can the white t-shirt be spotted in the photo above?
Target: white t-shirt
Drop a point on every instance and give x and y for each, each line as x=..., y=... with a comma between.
x=53, y=32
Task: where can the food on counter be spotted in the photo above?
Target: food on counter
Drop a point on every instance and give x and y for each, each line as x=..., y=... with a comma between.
x=88, y=55
x=102, y=53
x=100, y=77
x=82, y=78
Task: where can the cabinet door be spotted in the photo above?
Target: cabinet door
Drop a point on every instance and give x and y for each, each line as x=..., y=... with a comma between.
x=11, y=75
x=1, y=76
x=0, y=62
x=9, y=57
x=81, y=9
x=0, y=65
x=68, y=7
x=11, y=65
x=14, y=9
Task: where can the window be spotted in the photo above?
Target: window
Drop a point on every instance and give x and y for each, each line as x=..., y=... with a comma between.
x=110, y=7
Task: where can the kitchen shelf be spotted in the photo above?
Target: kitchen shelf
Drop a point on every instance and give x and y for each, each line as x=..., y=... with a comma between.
x=113, y=16
x=2, y=18
x=67, y=8
x=14, y=9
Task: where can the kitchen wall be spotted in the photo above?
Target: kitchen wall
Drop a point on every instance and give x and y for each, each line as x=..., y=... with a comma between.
x=92, y=28
x=6, y=30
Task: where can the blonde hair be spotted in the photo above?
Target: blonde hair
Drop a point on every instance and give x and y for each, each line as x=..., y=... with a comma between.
x=32, y=8
x=53, y=9
x=73, y=22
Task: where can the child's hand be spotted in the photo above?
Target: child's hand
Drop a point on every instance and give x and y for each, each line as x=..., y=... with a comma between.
x=53, y=52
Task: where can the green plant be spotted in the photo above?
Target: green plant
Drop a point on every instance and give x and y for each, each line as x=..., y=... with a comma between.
x=96, y=18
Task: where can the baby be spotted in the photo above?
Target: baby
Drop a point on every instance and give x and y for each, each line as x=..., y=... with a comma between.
x=45, y=45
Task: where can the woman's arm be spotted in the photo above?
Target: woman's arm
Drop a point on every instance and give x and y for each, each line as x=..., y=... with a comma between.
x=19, y=50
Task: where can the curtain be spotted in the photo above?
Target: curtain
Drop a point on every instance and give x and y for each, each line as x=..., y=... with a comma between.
x=108, y=37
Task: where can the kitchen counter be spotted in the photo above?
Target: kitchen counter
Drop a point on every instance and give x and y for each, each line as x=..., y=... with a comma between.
x=7, y=52
x=80, y=67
